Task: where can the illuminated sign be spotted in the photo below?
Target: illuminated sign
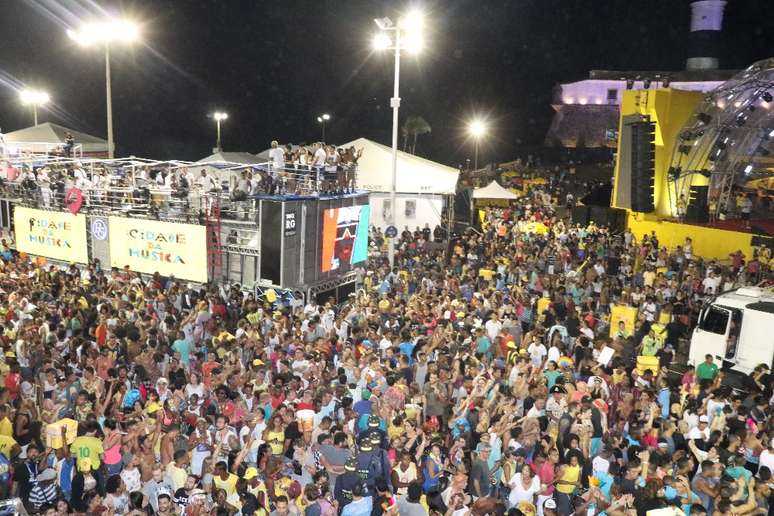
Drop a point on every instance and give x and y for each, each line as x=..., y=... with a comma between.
x=53, y=234
x=171, y=249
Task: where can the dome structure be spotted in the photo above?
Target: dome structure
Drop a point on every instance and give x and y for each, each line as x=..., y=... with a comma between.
x=728, y=143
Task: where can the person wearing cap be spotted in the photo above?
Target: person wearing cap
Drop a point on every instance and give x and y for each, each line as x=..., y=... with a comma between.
x=374, y=429
x=372, y=462
x=345, y=483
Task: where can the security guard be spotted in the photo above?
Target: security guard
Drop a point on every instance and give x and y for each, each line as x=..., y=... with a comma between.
x=342, y=491
x=372, y=463
x=373, y=428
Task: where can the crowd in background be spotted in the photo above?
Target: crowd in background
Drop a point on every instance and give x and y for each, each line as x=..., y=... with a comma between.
x=465, y=380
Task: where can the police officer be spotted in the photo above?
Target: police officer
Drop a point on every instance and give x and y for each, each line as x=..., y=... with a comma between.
x=373, y=428
x=372, y=463
x=342, y=491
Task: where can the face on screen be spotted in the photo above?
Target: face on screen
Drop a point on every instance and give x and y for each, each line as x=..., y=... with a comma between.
x=346, y=232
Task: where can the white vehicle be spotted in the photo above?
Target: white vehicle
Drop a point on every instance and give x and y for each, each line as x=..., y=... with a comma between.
x=737, y=329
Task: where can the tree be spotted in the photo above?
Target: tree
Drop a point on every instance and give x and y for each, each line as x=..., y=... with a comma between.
x=414, y=126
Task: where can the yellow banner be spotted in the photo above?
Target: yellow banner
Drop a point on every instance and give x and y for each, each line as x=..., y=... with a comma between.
x=622, y=314
x=150, y=246
x=53, y=234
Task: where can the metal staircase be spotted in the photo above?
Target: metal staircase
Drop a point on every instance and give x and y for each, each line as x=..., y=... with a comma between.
x=214, y=248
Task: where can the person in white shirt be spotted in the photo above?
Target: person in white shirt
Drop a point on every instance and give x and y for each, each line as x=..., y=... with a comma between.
x=206, y=185
x=493, y=327
x=767, y=456
x=318, y=163
x=537, y=352
x=711, y=283
x=276, y=164
x=45, y=186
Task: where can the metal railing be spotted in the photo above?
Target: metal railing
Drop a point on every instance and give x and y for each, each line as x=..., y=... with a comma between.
x=36, y=149
x=147, y=199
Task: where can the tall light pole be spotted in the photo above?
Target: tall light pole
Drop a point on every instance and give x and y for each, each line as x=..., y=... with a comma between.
x=476, y=130
x=219, y=116
x=322, y=119
x=405, y=35
x=104, y=33
x=34, y=98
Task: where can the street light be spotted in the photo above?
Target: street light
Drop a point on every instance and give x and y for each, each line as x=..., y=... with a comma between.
x=219, y=116
x=34, y=98
x=322, y=119
x=405, y=35
x=476, y=130
x=104, y=33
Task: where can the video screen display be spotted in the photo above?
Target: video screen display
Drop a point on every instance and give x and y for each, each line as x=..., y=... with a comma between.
x=345, y=237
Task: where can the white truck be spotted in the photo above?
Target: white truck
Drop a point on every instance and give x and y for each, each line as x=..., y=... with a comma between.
x=737, y=329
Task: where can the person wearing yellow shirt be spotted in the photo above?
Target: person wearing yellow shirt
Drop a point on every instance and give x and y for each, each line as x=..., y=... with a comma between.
x=6, y=428
x=88, y=446
x=223, y=479
x=176, y=472
x=8, y=446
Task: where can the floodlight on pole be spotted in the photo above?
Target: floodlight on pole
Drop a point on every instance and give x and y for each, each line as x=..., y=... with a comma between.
x=34, y=98
x=219, y=116
x=477, y=130
x=321, y=120
x=105, y=33
x=405, y=35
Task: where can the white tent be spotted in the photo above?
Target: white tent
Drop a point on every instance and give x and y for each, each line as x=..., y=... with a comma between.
x=421, y=186
x=244, y=158
x=415, y=175
x=225, y=165
x=43, y=138
x=493, y=191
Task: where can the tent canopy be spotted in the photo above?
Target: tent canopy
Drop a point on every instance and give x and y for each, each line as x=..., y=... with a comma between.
x=415, y=174
x=243, y=158
x=493, y=191
x=55, y=134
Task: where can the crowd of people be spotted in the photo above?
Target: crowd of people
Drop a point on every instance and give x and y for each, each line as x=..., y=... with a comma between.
x=465, y=380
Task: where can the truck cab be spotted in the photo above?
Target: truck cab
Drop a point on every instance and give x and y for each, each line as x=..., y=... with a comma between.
x=737, y=329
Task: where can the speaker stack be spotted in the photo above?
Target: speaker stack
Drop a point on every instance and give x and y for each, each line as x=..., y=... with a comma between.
x=643, y=167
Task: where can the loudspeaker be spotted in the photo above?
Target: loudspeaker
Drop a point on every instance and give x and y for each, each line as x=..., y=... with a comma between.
x=643, y=155
x=613, y=218
x=580, y=215
x=698, y=205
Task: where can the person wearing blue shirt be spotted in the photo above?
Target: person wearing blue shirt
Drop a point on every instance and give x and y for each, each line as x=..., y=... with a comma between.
x=663, y=398
x=360, y=505
x=407, y=348
x=364, y=405
x=183, y=346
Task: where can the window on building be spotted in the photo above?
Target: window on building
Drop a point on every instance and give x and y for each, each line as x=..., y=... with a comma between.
x=612, y=96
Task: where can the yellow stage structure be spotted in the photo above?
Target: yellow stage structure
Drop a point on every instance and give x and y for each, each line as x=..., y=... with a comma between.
x=669, y=110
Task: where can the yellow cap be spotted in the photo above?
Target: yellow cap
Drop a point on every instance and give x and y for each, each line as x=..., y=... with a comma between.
x=257, y=362
x=250, y=473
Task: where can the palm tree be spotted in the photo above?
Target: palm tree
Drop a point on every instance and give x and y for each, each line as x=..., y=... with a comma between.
x=414, y=126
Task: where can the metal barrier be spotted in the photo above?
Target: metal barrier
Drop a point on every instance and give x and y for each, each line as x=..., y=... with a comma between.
x=33, y=150
x=148, y=199
x=146, y=202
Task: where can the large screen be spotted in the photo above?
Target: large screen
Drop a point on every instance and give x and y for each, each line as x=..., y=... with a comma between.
x=345, y=237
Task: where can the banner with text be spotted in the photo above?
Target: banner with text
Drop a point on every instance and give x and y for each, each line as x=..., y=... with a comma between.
x=149, y=246
x=53, y=234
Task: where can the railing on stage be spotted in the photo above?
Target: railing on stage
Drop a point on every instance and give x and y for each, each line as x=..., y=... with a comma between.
x=37, y=150
x=162, y=203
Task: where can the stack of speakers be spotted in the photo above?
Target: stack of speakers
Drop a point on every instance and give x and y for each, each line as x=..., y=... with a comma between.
x=643, y=167
x=698, y=205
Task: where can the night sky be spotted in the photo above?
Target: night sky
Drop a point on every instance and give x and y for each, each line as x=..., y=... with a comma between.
x=275, y=66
